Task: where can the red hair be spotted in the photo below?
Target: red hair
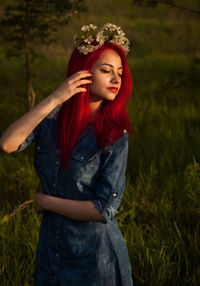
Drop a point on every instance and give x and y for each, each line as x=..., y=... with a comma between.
x=75, y=114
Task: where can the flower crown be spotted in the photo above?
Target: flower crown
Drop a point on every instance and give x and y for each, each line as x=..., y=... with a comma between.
x=108, y=33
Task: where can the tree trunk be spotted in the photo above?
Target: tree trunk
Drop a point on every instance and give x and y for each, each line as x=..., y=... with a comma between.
x=31, y=96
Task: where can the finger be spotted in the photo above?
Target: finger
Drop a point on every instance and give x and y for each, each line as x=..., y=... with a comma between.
x=79, y=75
x=82, y=81
x=81, y=89
x=82, y=72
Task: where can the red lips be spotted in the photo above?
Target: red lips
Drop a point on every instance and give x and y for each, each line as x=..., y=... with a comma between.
x=113, y=89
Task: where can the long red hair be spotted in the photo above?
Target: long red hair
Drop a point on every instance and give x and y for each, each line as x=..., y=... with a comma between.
x=75, y=114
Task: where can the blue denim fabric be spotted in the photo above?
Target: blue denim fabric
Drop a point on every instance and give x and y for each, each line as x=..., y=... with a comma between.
x=72, y=252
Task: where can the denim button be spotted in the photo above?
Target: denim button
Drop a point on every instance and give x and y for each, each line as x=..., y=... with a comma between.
x=114, y=194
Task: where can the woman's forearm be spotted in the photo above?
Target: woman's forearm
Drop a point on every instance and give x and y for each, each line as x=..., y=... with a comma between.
x=17, y=132
x=78, y=210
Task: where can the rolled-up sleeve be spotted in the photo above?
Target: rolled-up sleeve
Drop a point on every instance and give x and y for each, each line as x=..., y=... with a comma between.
x=31, y=138
x=112, y=181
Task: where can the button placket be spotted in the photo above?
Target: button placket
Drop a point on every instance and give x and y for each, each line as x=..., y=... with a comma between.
x=56, y=243
x=56, y=173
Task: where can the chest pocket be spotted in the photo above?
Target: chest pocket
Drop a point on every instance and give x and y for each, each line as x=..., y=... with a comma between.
x=43, y=154
x=83, y=166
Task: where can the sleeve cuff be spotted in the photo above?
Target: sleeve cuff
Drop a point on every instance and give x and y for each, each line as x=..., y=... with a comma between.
x=107, y=214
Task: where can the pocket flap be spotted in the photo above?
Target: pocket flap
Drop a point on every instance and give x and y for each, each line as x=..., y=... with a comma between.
x=84, y=156
x=42, y=148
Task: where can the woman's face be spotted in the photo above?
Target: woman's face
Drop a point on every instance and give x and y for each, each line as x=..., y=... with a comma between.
x=106, y=76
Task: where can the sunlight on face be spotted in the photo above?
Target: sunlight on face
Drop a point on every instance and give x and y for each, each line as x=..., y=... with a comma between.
x=107, y=73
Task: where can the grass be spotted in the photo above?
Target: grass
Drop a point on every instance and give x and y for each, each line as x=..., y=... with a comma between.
x=160, y=211
x=19, y=236
x=159, y=215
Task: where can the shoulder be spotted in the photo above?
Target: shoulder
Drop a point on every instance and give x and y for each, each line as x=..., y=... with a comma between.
x=120, y=146
x=121, y=143
x=117, y=153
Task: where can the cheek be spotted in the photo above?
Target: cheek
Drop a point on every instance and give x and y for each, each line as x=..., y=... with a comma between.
x=92, y=86
x=96, y=84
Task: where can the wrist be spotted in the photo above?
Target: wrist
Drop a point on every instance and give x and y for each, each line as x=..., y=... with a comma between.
x=58, y=96
x=54, y=99
x=47, y=202
x=43, y=198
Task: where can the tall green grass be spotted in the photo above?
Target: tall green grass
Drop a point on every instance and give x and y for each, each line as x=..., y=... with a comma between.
x=19, y=236
x=160, y=211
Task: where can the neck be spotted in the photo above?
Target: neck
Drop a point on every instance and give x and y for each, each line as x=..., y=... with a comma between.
x=95, y=106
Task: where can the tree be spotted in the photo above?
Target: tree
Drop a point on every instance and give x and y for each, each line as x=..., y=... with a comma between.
x=27, y=24
x=170, y=3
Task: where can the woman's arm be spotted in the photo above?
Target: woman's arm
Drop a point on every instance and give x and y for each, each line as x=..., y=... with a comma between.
x=17, y=132
x=78, y=210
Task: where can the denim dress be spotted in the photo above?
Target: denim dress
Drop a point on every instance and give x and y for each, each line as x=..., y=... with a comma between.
x=72, y=252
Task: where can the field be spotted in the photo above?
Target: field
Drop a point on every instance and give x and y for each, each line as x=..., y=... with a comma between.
x=160, y=211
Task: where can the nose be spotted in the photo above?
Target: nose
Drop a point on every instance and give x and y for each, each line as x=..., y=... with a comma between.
x=115, y=78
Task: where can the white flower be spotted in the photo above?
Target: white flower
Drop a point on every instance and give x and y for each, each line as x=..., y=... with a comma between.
x=88, y=40
x=109, y=32
x=100, y=38
x=121, y=33
x=88, y=27
x=93, y=27
x=110, y=26
x=85, y=28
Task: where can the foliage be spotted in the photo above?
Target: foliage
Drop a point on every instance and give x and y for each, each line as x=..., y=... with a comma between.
x=26, y=25
x=32, y=23
x=170, y=3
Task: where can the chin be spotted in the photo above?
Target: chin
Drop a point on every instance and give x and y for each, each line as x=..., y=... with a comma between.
x=110, y=97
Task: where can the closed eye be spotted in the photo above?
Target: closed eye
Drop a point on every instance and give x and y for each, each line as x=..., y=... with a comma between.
x=106, y=71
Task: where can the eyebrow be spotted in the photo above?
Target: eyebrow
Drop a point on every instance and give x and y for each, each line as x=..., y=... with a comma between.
x=110, y=66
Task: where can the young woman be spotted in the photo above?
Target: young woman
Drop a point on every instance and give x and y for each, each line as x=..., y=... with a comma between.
x=81, y=134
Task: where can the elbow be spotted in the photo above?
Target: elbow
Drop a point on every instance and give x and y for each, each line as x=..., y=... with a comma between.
x=6, y=150
x=5, y=147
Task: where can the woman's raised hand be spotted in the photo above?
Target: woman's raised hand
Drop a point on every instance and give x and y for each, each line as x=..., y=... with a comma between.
x=17, y=132
x=72, y=85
